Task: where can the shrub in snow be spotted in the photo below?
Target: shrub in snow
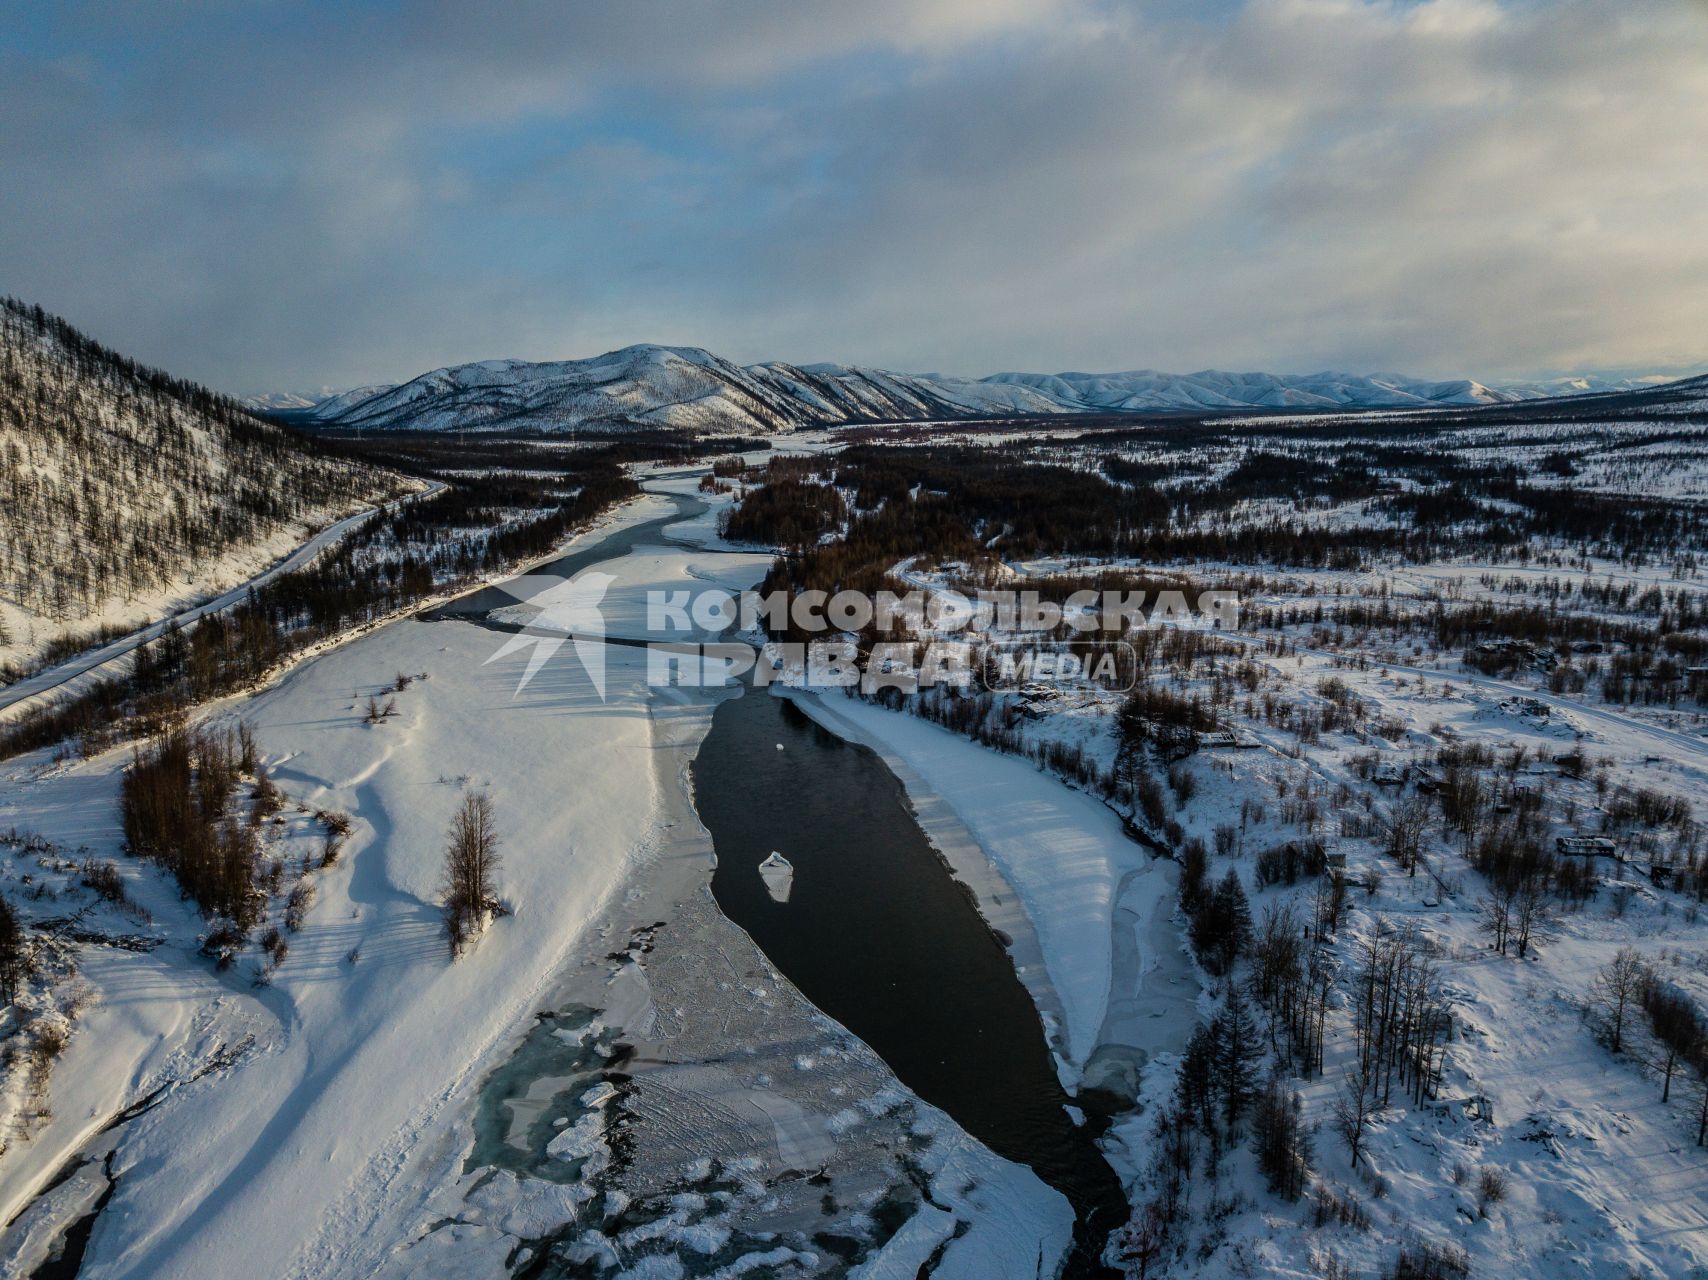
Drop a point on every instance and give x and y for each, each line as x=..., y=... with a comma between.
x=266, y=799
x=1429, y=1262
x=1491, y=1188
x=223, y=942
x=1330, y=1206
x=296, y=908
x=274, y=944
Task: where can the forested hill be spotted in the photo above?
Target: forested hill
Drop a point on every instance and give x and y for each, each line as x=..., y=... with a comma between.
x=123, y=488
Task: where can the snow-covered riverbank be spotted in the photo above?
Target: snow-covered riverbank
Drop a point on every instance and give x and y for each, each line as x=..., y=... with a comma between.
x=341, y=1104
x=1088, y=912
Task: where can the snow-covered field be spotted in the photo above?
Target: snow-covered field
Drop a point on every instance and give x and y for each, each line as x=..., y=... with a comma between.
x=1601, y=1177
x=366, y=1034
x=330, y=1121
x=1605, y=1179
x=614, y=1074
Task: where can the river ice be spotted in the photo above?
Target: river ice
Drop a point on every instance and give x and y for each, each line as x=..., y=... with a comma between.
x=337, y=1137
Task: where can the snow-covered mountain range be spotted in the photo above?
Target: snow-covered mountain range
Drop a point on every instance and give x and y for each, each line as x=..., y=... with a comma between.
x=691, y=388
x=290, y=401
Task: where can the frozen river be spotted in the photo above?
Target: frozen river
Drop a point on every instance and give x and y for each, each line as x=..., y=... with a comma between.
x=877, y=932
x=879, y=935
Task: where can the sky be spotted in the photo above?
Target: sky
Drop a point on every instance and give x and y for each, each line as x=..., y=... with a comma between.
x=273, y=197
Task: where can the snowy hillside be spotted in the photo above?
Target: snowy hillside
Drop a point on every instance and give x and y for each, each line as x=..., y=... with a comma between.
x=1211, y=389
x=690, y=388
x=842, y=393
x=294, y=401
x=124, y=491
x=680, y=387
x=1581, y=384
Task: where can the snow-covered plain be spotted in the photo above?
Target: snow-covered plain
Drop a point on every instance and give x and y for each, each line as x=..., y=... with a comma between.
x=355, y=1060
x=1605, y=1179
x=376, y=1110
x=327, y=1123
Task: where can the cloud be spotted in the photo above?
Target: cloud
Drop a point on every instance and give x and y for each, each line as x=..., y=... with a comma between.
x=1449, y=187
x=1445, y=187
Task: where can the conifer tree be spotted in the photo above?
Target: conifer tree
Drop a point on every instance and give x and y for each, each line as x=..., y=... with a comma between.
x=1237, y=1049
x=14, y=963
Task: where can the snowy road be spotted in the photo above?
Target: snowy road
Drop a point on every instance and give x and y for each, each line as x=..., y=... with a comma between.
x=56, y=677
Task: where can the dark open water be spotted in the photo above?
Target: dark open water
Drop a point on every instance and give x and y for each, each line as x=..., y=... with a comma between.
x=879, y=935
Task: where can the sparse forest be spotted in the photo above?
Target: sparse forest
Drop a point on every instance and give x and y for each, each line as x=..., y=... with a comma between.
x=118, y=481
x=1370, y=842
x=420, y=548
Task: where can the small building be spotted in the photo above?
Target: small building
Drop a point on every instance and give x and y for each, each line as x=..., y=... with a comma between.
x=1388, y=774
x=1511, y=651
x=1477, y=1106
x=1586, y=846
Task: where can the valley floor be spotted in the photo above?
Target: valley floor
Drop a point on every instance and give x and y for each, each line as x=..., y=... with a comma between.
x=1601, y=1177
x=616, y=1076
x=376, y=1109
